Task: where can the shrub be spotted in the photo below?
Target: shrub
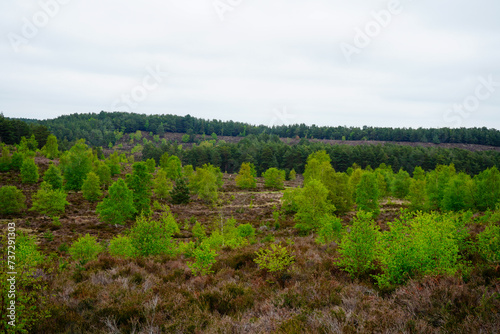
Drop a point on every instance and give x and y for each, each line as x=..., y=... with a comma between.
x=206, y=182
x=104, y=173
x=275, y=259
x=54, y=177
x=29, y=171
x=162, y=185
x=330, y=229
x=76, y=164
x=85, y=249
x=358, y=246
x=204, y=258
x=274, y=178
x=5, y=160
x=17, y=161
x=290, y=200
x=293, y=175
x=140, y=183
x=49, y=201
x=246, y=231
x=180, y=192
x=314, y=204
x=151, y=237
x=11, y=200
x=121, y=246
x=91, y=187
x=118, y=206
x=489, y=243
x=199, y=232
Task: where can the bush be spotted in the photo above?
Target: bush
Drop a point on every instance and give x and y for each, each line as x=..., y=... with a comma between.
x=85, y=249
x=140, y=183
x=358, y=246
x=48, y=201
x=330, y=229
x=54, y=177
x=11, y=200
x=17, y=161
x=199, y=232
x=180, y=192
x=275, y=259
x=151, y=237
x=162, y=185
x=314, y=205
x=204, y=258
x=489, y=243
x=206, y=182
x=29, y=171
x=245, y=179
x=274, y=178
x=121, y=246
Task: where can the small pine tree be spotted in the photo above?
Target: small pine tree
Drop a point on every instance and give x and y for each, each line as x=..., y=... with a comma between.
x=118, y=206
x=180, y=192
x=29, y=171
x=11, y=200
x=49, y=201
x=245, y=179
x=91, y=188
x=54, y=177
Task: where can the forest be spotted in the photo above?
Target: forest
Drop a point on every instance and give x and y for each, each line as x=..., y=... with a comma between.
x=127, y=223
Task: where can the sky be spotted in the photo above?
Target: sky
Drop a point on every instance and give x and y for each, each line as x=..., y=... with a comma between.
x=393, y=63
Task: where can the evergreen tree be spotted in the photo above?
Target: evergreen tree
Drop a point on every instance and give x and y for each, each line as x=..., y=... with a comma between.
x=12, y=200
x=91, y=187
x=140, y=183
x=29, y=171
x=118, y=206
x=53, y=176
x=17, y=161
x=245, y=179
x=5, y=160
x=48, y=201
x=293, y=175
x=76, y=164
x=180, y=192
x=367, y=194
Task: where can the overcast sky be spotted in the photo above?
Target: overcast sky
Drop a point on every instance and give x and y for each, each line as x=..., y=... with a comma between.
x=405, y=63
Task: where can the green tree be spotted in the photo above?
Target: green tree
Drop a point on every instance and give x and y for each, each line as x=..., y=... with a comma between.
x=487, y=189
x=245, y=179
x=339, y=191
x=293, y=175
x=417, y=194
x=314, y=205
x=489, y=243
x=401, y=184
x=29, y=171
x=12, y=200
x=118, y=206
x=122, y=247
x=53, y=176
x=318, y=166
x=367, y=194
x=48, y=201
x=275, y=259
x=204, y=258
x=173, y=167
x=151, y=237
x=330, y=229
x=206, y=182
x=164, y=160
x=358, y=245
x=151, y=164
x=104, y=173
x=180, y=192
x=76, y=164
x=51, y=148
x=17, y=161
x=436, y=184
x=274, y=178
x=140, y=183
x=91, y=187
x=162, y=185
x=85, y=249
x=5, y=160
x=458, y=195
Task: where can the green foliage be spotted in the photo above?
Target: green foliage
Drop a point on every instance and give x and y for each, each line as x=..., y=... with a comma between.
x=199, y=232
x=314, y=205
x=85, y=249
x=17, y=161
x=274, y=178
x=162, y=185
x=53, y=177
x=458, y=194
x=275, y=259
x=436, y=183
x=140, y=183
x=151, y=237
x=367, y=194
x=339, y=191
x=246, y=231
x=91, y=187
x=206, y=182
x=330, y=229
x=49, y=201
x=188, y=171
x=358, y=245
x=289, y=201
x=121, y=246
x=487, y=192
x=151, y=165
x=401, y=184
x=113, y=163
x=489, y=243
x=417, y=194
x=76, y=164
x=5, y=160
x=173, y=167
x=293, y=175
x=180, y=192
x=12, y=200
x=318, y=166
x=118, y=206
x=104, y=172
x=245, y=179
x=30, y=296
x=51, y=148
x=204, y=258
x=29, y=171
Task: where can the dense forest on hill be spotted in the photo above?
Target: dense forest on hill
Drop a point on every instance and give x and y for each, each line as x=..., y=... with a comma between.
x=99, y=128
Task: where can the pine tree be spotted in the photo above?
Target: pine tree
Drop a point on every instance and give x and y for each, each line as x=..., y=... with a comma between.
x=49, y=201
x=245, y=179
x=118, y=206
x=5, y=160
x=53, y=177
x=180, y=192
x=29, y=171
x=91, y=187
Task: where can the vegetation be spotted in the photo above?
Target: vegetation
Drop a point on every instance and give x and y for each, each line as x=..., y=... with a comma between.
x=29, y=171
x=91, y=187
x=12, y=200
x=85, y=249
x=49, y=201
x=118, y=206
